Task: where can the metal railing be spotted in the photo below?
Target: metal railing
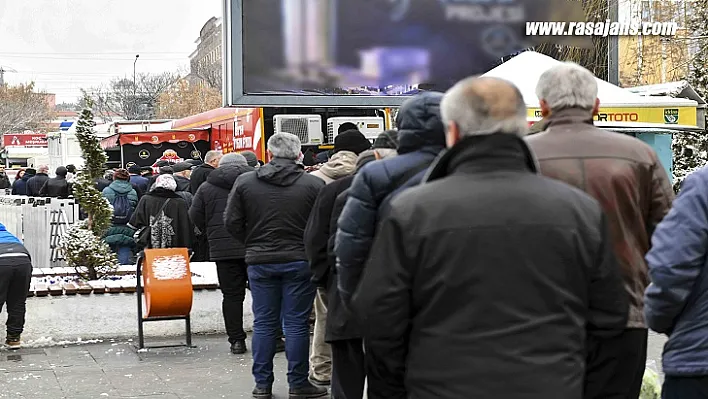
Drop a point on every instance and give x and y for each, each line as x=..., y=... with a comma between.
x=40, y=224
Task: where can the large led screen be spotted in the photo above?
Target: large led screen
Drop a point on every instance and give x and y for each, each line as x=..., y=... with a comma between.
x=380, y=47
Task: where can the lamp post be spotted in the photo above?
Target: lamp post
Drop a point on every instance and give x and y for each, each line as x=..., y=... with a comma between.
x=135, y=86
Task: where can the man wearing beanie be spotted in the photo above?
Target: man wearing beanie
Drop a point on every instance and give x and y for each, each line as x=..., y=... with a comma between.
x=56, y=187
x=251, y=158
x=137, y=179
x=347, y=147
x=421, y=137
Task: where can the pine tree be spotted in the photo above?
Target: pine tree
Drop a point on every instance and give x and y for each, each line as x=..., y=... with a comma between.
x=690, y=151
x=85, y=249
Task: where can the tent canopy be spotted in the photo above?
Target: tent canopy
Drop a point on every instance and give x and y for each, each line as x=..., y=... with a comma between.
x=526, y=69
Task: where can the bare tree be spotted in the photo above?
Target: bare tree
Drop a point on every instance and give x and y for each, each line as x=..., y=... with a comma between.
x=184, y=99
x=211, y=74
x=131, y=100
x=21, y=108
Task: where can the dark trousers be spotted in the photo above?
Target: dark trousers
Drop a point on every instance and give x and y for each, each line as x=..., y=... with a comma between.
x=14, y=284
x=348, y=369
x=281, y=290
x=615, y=366
x=685, y=388
x=232, y=280
x=201, y=248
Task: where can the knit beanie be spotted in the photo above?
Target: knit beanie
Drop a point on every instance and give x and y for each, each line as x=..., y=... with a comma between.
x=351, y=140
x=233, y=158
x=387, y=139
x=251, y=158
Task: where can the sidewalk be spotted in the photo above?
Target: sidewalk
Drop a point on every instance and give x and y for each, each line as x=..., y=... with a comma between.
x=118, y=370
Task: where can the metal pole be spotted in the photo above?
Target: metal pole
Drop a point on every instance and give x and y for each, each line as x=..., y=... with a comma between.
x=135, y=86
x=613, y=45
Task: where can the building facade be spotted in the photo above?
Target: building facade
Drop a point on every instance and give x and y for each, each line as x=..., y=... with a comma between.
x=206, y=60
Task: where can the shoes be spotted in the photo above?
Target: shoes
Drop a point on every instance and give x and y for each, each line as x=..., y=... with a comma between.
x=13, y=342
x=263, y=393
x=238, y=348
x=309, y=391
x=280, y=345
x=318, y=382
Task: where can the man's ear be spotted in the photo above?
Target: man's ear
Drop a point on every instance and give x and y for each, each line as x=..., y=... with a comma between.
x=545, y=109
x=596, y=109
x=453, y=134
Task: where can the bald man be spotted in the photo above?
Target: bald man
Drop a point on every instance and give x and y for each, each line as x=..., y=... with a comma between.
x=494, y=275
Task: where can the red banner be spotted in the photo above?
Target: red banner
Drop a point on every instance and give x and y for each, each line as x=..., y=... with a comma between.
x=164, y=137
x=24, y=140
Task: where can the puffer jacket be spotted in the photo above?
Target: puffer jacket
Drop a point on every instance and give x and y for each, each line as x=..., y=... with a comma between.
x=342, y=164
x=207, y=212
x=621, y=172
x=422, y=138
x=676, y=302
x=268, y=210
x=120, y=235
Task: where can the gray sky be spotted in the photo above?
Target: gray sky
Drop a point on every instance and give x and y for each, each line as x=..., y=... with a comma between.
x=64, y=45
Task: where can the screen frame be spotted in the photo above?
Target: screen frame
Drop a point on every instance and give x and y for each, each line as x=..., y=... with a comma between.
x=233, y=76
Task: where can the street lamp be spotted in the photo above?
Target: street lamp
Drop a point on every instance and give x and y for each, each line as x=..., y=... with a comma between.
x=134, y=80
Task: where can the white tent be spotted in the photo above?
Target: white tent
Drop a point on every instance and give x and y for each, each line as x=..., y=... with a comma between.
x=525, y=69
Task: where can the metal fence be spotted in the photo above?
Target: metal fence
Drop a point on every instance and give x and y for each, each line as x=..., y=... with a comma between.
x=39, y=223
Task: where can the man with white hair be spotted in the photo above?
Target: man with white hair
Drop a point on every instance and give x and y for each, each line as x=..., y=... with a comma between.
x=201, y=172
x=624, y=174
x=35, y=184
x=267, y=210
x=485, y=280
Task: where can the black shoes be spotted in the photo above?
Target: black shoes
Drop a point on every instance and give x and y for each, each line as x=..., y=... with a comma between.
x=308, y=392
x=263, y=393
x=318, y=382
x=238, y=348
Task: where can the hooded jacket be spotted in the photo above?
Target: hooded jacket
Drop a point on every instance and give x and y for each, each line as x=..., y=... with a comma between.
x=341, y=164
x=12, y=250
x=207, y=212
x=123, y=187
x=200, y=174
x=488, y=270
x=268, y=210
x=421, y=138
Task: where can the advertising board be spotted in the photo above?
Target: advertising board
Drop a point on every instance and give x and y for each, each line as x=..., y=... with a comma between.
x=370, y=52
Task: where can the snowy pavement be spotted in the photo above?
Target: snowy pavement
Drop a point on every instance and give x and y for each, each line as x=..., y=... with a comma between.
x=118, y=370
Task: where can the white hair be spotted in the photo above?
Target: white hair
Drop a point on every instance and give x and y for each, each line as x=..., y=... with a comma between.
x=471, y=113
x=567, y=85
x=233, y=158
x=285, y=145
x=211, y=156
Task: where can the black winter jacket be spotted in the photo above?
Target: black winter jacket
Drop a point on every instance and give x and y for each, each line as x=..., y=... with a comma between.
x=487, y=280
x=4, y=181
x=35, y=184
x=173, y=228
x=56, y=187
x=422, y=138
x=207, y=212
x=19, y=187
x=268, y=210
x=199, y=175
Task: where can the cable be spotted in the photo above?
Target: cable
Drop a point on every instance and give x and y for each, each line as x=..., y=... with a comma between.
x=91, y=53
x=39, y=57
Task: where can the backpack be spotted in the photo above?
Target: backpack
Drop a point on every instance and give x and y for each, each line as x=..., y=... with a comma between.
x=122, y=210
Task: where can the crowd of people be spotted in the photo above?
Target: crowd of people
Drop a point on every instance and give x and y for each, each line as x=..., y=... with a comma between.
x=455, y=257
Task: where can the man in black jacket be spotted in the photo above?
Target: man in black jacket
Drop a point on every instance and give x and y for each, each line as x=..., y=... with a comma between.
x=57, y=187
x=35, y=184
x=201, y=172
x=207, y=213
x=4, y=179
x=487, y=280
x=341, y=331
x=268, y=211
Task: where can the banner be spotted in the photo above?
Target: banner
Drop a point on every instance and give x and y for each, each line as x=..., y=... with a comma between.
x=24, y=140
x=246, y=135
x=190, y=136
x=684, y=116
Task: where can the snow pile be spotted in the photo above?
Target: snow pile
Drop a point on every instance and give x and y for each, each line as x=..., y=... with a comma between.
x=169, y=267
x=44, y=342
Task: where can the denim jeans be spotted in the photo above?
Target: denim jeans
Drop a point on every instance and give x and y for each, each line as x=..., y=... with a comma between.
x=281, y=289
x=125, y=255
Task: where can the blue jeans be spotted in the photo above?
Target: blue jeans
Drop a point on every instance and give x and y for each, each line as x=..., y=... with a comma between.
x=281, y=289
x=125, y=255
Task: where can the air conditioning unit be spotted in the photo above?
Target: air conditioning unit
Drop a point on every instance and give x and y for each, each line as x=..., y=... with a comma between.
x=370, y=126
x=307, y=127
